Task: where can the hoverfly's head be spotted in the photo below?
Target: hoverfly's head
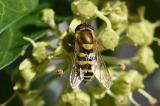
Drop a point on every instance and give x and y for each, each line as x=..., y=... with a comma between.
x=84, y=33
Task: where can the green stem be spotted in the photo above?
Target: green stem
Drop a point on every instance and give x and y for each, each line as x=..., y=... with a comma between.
x=150, y=98
x=141, y=11
x=109, y=92
x=9, y=100
x=56, y=30
x=157, y=24
x=157, y=40
x=132, y=100
x=105, y=13
x=104, y=18
x=56, y=54
x=115, y=60
x=93, y=101
x=31, y=41
x=118, y=67
x=59, y=50
x=51, y=23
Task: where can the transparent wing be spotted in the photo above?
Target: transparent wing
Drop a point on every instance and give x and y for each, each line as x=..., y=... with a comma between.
x=76, y=75
x=101, y=71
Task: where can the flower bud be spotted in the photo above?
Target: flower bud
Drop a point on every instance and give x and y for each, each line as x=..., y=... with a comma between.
x=133, y=78
x=137, y=82
x=140, y=33
x=118, y=100
x=26, y=70
x=39, y=51
x=108, y=38
x=27, y=74
x=145, y=60
x=97, y=92
x=121, y=87
x=127, y=82
x=85, y=9
x=76, y=98
x=117, y=13
x=74, y=23
x=31, y=99
x=121, y=100
x=48, y=17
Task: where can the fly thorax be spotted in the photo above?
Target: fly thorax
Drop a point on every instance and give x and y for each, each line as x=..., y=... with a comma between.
x=86, y=37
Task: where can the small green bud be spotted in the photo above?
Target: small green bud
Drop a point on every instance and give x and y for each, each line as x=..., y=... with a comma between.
x=121, y=100
x=133, y=78
x=26, y=73
x=137, y=82
x=39, y=51
x=26, y=70
x=31, y=99
x=25, y=65
x=121, y=87
x=118, y=100
x=140, y=33
x=98, y=92
x=76, y=98
x=85, y=9
x=145, y=60
x=74, y=23
x=117, y=13
x=127, y=82
x=108, y=38
x=48, y=17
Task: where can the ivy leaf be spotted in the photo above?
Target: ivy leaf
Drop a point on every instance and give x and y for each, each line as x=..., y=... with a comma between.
x=12, y=42
x=13, y=10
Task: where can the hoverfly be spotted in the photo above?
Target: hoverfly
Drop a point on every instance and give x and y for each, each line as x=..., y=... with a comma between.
x=87, y=61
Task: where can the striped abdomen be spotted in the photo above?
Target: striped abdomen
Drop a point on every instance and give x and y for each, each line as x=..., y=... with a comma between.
x=86, y=59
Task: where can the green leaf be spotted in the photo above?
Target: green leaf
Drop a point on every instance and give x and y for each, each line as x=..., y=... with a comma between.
x=13, y=10
x=12, y=43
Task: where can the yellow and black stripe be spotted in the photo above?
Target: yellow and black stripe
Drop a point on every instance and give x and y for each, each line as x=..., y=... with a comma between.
x=86, y=58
